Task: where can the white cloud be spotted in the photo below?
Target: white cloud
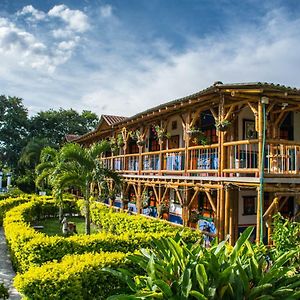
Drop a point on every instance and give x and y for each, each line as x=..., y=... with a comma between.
x=106, y=11
x=114, y=71
x=75, y=19
x=34, y=13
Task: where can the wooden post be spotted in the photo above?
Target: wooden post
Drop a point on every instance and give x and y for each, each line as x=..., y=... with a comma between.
x=258, y=213
x=221, y=224
x=140, y=164
x=186, y=143
x=227, y=212
x=160, y=156
x=139, y=198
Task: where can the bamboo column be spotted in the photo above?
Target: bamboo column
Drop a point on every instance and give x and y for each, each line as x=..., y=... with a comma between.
x=186, y=143
x=140, y=163
x=227, y=212
x=221, y=200
x=260, y=151
x=138, y=197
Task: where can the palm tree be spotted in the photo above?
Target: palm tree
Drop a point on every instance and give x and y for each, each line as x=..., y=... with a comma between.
x=47, y=171
x=30, y=155
x=81, y=167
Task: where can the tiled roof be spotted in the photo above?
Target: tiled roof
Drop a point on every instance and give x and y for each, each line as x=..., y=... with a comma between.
x=110, y=120
x=71, y=137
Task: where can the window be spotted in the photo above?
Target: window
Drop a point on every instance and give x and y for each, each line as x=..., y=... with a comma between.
x=249, y=205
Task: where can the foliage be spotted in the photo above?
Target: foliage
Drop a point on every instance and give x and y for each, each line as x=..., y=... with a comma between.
x=179, y=271
x=286, y=235
x=161, y=133
x=75, y=277
x=120, y=222
x=113, y=145
x=31, y=153
x=7, y=204
x=3, y=291
x=223, y=125
x=29, y=247
x=120, y=140
x=81, y=167
x=13, y=129
x=55, y=125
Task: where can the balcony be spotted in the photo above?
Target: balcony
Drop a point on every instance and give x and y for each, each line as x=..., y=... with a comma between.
x=282, y=157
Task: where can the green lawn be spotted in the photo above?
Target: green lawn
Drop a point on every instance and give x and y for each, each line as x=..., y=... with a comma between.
x=53, y=227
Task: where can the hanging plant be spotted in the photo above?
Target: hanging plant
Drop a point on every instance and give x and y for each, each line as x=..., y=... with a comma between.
x=113, y=144
x=161, y=133
x=223, y=125
x=137, y=136
x=120, y=140
x=199, y=138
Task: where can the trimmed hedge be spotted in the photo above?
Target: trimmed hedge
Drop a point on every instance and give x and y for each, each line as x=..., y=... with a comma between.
x=29, y=247
x=76, y=277
x=118, y=222
x=9, y=203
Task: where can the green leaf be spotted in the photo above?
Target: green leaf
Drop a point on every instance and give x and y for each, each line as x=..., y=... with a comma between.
x=164, y=287
x=240, y=242
x=198, y=295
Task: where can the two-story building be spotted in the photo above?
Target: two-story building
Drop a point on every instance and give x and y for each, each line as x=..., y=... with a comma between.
x=229, y=153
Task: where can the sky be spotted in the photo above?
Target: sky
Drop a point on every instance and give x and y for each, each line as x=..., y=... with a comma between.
x=121, y=57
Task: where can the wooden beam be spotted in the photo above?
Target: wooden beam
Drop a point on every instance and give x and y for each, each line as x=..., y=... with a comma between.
x=214, y=114
x=179, y=196
x=254, y=110
x=164, y=194
x=193, y=197
x=155, y=192
x=231, y=109
x=211, y=201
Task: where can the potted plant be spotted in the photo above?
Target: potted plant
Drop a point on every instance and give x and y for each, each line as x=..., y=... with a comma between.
x=223, y=125
x=120, y=140
x=161, y=133
x=138, y=137
x=113, y=145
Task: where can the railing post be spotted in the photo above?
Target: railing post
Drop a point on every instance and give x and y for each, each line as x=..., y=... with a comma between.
x=140, y=163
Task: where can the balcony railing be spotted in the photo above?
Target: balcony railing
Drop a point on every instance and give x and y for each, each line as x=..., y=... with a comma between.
x=241, y=159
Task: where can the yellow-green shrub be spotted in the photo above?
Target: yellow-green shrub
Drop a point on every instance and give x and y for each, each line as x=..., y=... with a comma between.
x=75, y=277
x=9, y=203
x=121, y=222
x=29, y=247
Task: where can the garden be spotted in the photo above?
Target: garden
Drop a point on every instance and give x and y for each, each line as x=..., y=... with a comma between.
x=133, y=257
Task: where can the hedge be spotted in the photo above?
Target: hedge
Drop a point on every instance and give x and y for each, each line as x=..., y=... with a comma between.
x=121, y=222
x=29, y=247
x=76, y=277
x=9, y=203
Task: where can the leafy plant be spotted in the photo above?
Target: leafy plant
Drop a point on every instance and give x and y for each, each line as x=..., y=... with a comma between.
x=120, y=140
x=223, y=125
x=161, y=133
x=175, y=270
x=3, y=291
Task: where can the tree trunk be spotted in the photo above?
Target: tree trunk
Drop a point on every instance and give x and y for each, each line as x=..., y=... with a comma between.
x=60, y=212
x=87, y=210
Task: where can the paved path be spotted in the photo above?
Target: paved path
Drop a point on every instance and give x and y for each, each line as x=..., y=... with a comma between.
x=6, y=272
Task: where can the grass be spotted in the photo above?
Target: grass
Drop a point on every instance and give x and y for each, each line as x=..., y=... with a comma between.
x=53, y=227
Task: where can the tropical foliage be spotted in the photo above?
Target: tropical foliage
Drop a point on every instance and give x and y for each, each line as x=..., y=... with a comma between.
x=175, y=270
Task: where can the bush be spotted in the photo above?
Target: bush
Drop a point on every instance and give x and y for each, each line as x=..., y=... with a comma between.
x=75, y=277
x=9, y=203
x=3, y=292
x=29, y=247
x=121, y=222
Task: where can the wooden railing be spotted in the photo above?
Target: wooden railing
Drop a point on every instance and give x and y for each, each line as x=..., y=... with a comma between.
x=241, y=159
x=282, y=157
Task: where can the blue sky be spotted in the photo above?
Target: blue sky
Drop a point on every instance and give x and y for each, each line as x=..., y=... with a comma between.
x=121, y=57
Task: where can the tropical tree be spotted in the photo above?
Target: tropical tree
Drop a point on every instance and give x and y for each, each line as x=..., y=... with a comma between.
x=46, y=174
x=81, y=167
x=30, y=155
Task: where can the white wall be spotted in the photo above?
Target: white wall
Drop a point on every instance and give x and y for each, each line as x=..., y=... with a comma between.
x=246, y=113
x=246, y=219
x=178, y=131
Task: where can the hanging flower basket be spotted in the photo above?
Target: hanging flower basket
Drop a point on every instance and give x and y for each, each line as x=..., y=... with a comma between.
x=141, y=143
x=223, y=125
